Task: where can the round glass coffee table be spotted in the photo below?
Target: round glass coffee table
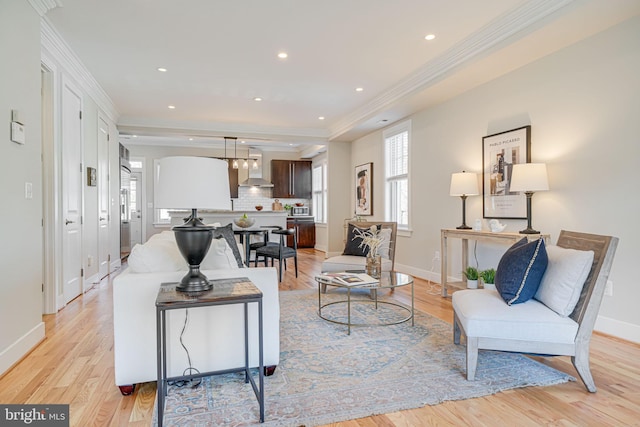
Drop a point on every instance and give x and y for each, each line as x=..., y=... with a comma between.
x=388, y=280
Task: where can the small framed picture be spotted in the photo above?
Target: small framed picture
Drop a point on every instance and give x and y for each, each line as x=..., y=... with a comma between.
x=500, y=152
x=91, y=177
x=364, y=189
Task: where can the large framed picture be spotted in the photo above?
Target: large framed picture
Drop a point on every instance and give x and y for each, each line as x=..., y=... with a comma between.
x=500, y=152
x=364, y=189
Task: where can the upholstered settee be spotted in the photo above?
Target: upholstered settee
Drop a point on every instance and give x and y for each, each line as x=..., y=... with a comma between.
x=213, y=335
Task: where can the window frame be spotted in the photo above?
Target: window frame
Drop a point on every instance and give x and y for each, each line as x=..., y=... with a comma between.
x=322, y=192
x=391, y=180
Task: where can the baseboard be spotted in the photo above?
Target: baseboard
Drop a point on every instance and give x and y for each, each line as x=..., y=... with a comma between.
x=321, y=248
x=16, y=351
x=617, y=328
x=90, y=282
x=115, y=265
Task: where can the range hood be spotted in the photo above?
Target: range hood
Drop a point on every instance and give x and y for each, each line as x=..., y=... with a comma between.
x=255, y=175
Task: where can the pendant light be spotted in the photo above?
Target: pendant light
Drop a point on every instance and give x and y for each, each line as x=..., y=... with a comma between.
x=235, y=153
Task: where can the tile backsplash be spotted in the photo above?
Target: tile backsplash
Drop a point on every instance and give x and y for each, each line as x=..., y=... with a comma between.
x=249, y=197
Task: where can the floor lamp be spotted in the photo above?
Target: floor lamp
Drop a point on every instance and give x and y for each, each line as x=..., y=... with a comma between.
x=193, y=183
x=464, y=184
x=529, y=177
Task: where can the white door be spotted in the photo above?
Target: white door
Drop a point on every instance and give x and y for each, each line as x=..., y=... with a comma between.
x=135, y=192
x=71, y=193
x=103, y=198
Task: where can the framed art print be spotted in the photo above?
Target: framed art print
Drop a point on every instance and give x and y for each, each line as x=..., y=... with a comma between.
x=364, y=189
x=500, y=152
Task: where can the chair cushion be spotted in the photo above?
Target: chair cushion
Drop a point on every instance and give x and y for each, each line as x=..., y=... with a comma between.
x=274, y=251
x=350, y=262
x=483, y=313
x=564, y=278
x=227, y=233
x=520, y=271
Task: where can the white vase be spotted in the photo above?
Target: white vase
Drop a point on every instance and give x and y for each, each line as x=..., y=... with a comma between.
x=489, y=286
x=472, y=284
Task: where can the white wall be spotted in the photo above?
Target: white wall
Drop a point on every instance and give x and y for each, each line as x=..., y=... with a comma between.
x=583, y=106
x=21, y=324
x=339, y=186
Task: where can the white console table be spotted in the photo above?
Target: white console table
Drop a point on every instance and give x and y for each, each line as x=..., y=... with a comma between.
x=480, y=236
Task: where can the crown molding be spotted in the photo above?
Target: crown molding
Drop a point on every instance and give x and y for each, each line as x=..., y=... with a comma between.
x=514, y=23
x=215, y=129
x=54, y=46
x=44, y=6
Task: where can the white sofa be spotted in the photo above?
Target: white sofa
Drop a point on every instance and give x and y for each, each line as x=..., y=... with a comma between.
x=214, y=336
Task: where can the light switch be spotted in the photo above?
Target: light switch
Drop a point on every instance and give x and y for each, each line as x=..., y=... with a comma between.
x=28, y=190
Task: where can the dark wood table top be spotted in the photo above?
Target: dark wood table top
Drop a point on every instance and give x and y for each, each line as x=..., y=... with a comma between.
x=223, y=291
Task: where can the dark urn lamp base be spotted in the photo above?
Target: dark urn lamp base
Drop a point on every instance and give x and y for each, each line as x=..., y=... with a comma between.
x=193, y=239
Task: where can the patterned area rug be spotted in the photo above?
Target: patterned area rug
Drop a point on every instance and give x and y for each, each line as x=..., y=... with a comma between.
x=327, y=376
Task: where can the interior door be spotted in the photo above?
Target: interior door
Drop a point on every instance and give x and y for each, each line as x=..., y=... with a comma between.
x=135, y=206
x=103, y=198
x=71, y=193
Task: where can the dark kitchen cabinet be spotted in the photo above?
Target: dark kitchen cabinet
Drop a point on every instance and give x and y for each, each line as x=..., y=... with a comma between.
x=291, y=179
x=305, y=229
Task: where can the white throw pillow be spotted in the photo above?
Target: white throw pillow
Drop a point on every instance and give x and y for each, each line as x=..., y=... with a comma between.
x=564, y=278
x=220, y=256
x=385, y=234
x=159, y=254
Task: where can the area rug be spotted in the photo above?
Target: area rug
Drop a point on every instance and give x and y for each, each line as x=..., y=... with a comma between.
x=327, y=376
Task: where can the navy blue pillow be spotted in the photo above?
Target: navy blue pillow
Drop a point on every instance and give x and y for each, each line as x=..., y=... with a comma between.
x=520, y=271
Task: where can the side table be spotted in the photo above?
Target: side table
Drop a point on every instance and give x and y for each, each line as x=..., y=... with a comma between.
x=224, y=292
x=480, y=236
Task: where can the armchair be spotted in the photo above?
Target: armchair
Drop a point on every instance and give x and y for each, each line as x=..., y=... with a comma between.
x=532, y=327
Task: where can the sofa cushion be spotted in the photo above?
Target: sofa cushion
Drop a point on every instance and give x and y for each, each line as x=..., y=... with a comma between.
x=227, y=233
x=220, y=256
x=520, y=271
x=564, y=278
x=483, y=313
x=159, y=254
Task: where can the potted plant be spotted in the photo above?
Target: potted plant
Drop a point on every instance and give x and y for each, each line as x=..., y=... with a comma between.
x=488, y=278
x=471, y=273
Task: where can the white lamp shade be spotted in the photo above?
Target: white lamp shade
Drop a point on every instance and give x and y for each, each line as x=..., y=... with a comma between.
x=464, y=184
x=192, y=183
x=529, y=177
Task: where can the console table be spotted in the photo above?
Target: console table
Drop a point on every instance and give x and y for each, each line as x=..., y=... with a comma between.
x=480, y=236
x=224, y=291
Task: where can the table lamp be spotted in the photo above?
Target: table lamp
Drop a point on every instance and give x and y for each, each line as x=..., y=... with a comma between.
x=464, y=184
x=529, y=177
x=193, y=183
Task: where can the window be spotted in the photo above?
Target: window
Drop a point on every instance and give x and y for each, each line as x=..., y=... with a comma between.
x=396, y=143
x=319, y=189
x=161, y=215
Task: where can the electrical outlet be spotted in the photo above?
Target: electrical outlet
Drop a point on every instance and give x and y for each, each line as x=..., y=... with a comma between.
x=437, y=256
x=608, y=289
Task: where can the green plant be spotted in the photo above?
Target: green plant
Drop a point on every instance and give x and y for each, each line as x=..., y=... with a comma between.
x=287, y=207
x=488, y=276
x=471, y=273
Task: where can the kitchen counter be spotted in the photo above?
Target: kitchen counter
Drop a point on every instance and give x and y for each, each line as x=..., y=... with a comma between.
x=262, y=218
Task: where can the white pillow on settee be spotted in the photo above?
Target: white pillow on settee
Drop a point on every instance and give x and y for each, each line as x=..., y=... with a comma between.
x=564, y=278
x=161, y=254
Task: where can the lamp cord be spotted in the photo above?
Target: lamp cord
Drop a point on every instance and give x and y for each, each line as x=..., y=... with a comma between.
x=195, y=382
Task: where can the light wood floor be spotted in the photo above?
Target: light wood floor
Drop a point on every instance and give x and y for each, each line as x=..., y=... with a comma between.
x=74, y=365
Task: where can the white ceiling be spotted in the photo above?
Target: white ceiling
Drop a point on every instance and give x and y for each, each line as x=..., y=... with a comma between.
x=221, y=54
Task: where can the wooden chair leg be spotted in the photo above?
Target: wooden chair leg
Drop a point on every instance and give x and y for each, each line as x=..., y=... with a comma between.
x=472, y=357
x=581, y=363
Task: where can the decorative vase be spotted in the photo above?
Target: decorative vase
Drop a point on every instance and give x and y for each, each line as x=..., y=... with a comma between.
x=374, y=266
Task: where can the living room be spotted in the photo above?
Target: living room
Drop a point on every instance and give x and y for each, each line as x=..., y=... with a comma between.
x=581, y=102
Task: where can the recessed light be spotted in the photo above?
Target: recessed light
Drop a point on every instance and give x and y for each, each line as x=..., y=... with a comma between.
x=161, y=69
x=283, y=55
x=171, y=107
x=359, y=89
x=190, y=139
x=321, y=118
x=135, y=136
x=242, y=142
x=257, y=99
x=430, y=37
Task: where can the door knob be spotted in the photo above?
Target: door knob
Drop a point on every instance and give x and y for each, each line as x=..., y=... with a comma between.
x=101, y=218
x=67, y=222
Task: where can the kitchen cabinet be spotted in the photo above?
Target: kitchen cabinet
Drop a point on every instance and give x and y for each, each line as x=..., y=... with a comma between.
x=291, y=179
x=305, y=229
